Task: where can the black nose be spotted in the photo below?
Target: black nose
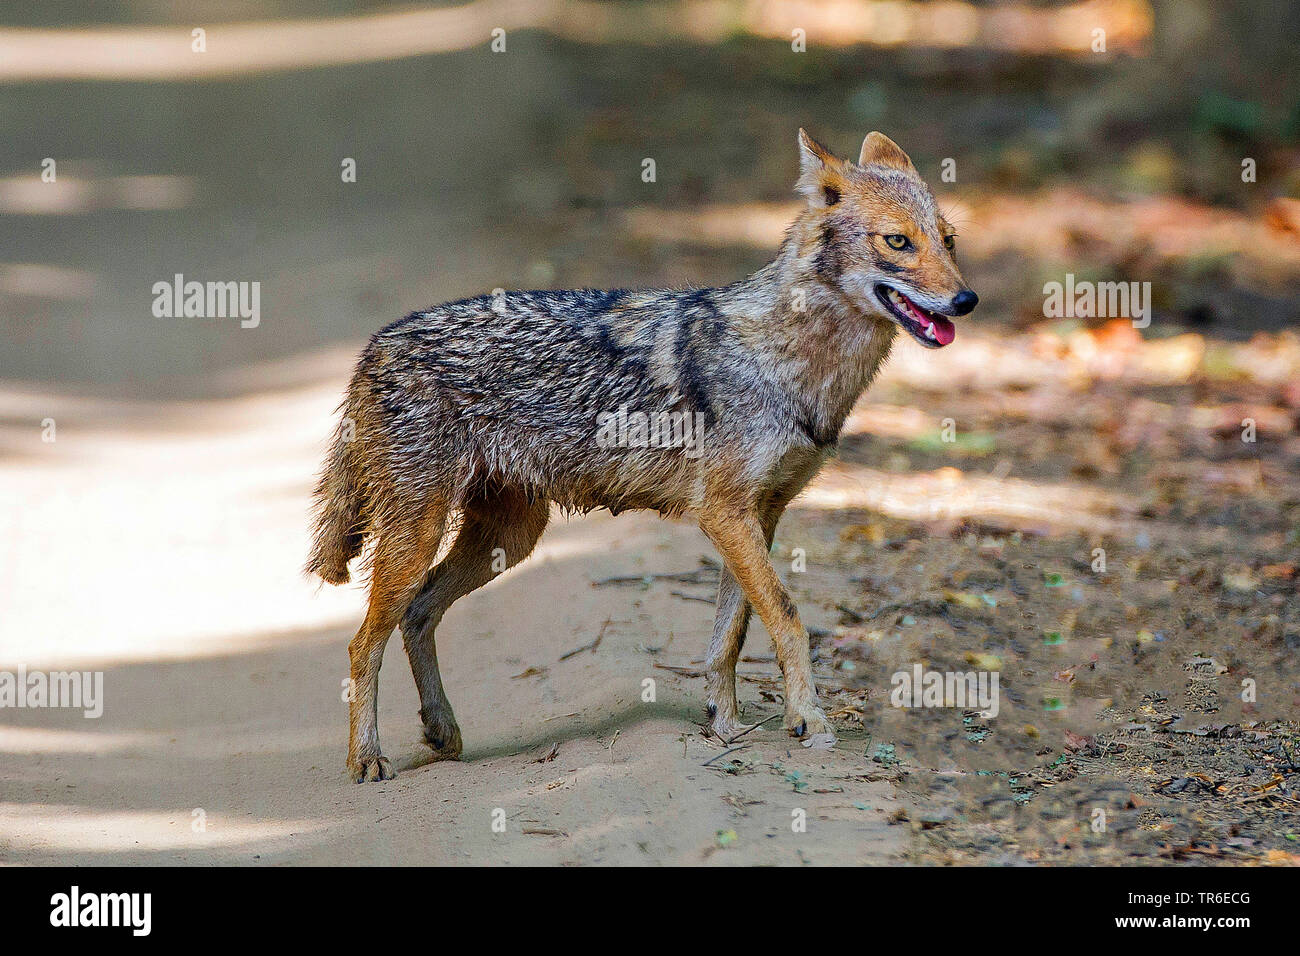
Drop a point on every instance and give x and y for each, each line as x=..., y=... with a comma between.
x=964, y=302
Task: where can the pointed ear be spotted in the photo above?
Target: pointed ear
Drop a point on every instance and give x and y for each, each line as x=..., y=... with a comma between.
x=880, y=149
x=820, y=179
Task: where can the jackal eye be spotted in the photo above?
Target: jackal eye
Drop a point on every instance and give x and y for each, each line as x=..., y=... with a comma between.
x=898, y=241
x=950, y=243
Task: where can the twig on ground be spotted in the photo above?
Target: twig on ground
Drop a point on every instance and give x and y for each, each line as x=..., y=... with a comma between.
x=691, y=597
x=588, y=647
x=706, y=573
x=683, y=671
x=753, y=727
x=723, y=754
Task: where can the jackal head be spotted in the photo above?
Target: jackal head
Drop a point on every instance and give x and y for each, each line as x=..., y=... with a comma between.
x=877, y=239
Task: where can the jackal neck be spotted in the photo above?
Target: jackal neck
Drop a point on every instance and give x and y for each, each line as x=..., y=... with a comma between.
x=821, y=347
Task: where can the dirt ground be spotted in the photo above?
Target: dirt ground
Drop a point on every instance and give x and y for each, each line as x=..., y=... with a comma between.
x=224, y=727
x=221, y=714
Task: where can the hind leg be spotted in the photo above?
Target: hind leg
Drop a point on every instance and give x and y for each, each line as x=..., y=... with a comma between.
x=499, y=531
x=402, y=555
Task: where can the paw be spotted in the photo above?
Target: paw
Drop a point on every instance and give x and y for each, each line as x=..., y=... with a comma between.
x=808, y=721
x=725, y=726
x=444, y=740
x=370, y=769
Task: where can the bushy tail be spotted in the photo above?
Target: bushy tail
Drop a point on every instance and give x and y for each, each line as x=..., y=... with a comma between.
x=341, y=526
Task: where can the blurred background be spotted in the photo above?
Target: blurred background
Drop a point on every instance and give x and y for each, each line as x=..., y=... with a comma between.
x=478, y=169
x=155, y=471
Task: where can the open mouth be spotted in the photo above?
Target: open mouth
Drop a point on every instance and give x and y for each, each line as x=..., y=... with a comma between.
x=929, y=328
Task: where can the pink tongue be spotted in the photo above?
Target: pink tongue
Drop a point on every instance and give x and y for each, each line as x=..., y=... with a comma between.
x=944, y=331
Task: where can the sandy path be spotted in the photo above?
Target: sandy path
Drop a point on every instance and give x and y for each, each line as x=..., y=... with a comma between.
x=160, y=544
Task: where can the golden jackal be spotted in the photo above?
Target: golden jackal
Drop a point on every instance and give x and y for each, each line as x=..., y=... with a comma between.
x=491, y=409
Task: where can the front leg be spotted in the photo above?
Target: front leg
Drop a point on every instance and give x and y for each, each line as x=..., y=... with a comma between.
x=729, y=629
x=741, y=540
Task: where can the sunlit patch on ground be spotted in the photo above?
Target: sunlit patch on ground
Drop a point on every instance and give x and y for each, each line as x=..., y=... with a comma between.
x=64, y=828
x=163, y=53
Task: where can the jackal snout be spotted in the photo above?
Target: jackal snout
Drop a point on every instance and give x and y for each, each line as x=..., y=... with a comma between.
x=894, y=252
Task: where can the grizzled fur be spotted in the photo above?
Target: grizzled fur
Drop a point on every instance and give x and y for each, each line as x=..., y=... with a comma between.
x=487, y=410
